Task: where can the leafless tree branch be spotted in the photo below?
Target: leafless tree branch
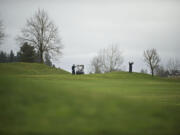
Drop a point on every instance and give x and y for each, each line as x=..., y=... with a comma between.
x=108, y=60
x=173, y=66
x=41, y=33
x=152, y=59
x=2, y=35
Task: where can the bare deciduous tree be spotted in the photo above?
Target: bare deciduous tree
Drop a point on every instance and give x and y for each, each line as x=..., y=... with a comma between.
x=161, y=71
x=2, y=35
x=109, y=59
x=152, y=59
x=48, y=60
x=173, y=66
x=96, y=65
x=41, y=33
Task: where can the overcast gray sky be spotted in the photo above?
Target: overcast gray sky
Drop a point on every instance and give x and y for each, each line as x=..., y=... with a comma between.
x=86, y=26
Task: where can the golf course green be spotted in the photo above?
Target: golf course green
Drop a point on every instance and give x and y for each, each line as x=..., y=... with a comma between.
x=39, y=100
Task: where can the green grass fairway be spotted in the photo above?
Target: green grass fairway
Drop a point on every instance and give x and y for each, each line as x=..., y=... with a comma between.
x=39, y=100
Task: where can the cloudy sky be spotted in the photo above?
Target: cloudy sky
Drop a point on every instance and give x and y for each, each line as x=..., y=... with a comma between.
x=85, y=26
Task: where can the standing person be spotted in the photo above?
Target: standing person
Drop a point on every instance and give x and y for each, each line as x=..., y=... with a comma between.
x=73, y=69
x=130, y=67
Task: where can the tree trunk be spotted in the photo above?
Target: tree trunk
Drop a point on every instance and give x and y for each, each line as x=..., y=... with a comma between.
x=41, y=57
x=152, y=72
x=41, y=54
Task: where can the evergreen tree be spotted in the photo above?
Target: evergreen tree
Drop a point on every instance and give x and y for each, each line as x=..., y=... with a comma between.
x=11, y=57
x=3, y=57
x=27, y=53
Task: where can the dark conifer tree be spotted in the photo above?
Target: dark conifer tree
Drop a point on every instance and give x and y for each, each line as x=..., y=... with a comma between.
x=11, y=57
x=3, y=57
x=27, y=53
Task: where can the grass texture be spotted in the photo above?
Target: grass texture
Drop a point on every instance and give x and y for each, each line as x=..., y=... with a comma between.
x=38, y=100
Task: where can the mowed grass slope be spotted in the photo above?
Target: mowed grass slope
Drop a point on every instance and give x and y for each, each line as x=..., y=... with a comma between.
x=46, y=101
x=28, y=68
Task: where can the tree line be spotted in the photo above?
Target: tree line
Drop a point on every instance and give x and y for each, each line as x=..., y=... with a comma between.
x=27, y=53
x=5, y=57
